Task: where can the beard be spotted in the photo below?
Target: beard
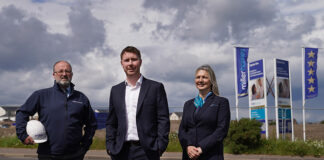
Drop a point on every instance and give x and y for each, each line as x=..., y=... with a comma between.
x=64, y=84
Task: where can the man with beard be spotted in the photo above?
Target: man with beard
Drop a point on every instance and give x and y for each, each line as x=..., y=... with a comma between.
x=64, y=112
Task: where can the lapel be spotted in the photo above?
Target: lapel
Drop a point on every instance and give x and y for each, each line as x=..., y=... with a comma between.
x=191, y=110
x=122, y=89
x=208, y=102
x=144, y=88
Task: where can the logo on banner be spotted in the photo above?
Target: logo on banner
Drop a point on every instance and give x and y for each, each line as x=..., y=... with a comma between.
x=242, y=75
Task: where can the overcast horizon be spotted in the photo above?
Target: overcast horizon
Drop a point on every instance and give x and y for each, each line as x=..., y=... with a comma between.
x=174, y=37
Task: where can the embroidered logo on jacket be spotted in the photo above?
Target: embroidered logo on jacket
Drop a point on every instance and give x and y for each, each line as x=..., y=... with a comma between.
x=77, y=102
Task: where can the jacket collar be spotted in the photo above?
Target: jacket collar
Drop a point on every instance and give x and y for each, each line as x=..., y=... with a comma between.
x=207, y=103
x=57, y=86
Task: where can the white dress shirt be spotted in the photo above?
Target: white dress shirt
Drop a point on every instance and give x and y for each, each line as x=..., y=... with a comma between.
x=131, y=99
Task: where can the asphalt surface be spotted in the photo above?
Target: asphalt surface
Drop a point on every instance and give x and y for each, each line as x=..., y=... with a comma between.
x=30, y=154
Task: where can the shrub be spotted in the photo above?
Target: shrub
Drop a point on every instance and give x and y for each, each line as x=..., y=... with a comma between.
x=316, y=148
x=243, y=135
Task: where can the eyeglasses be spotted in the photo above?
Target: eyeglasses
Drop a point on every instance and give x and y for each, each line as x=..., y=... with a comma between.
x=62, y=71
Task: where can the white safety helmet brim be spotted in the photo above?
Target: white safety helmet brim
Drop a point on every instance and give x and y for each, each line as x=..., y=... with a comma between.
x=36, y=130
x=40, y=141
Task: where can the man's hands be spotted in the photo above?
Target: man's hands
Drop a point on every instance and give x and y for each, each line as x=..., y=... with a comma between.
x=29, y=140
x=194, y=152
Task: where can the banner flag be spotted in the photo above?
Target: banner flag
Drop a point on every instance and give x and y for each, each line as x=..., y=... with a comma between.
x=241, y=71
x=257, y=97
x=310, y=64
x=283, y=97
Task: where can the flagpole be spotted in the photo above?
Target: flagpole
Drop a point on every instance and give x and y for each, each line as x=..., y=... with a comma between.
x=265, y=99
x=303, y=84
x=235, y=76
x=276, y=97
x=291, y=106
x=249, y=86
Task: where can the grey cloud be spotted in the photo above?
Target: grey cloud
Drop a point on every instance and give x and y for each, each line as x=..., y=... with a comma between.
x=253, y=22
x=21, y=38
x=136, y=26
x=216, y=20
x=166, y=4
x=87, y=31
x=178, y=66
x=282, y=34
x=169, y=68
x=316, y=42
x=25, y=42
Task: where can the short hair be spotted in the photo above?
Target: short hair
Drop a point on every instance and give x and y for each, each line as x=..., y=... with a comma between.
x=60, y=62
x=209, y=70
x=132, y=50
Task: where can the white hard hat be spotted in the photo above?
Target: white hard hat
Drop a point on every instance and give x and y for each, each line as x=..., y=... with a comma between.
x=36, y=130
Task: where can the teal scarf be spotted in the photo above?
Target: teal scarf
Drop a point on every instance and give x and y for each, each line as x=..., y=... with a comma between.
x=199, y=102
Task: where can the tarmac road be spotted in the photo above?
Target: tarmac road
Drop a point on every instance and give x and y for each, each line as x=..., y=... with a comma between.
x=30, y=154
x=12, y=158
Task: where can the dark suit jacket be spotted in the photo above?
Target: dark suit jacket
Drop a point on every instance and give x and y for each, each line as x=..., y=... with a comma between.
x=207, y=129
x=152, y=118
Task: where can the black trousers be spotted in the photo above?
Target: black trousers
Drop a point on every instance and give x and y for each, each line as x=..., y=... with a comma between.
x=79, y=155
x=132, y=150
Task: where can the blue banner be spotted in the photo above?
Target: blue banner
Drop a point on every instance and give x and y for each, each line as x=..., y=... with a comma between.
x=285, y=126
x=242, y=72
x=283, y=86
x=282, y=68
x=256, y=69
x=257, y=87
x=311, y=87
x=256, y=92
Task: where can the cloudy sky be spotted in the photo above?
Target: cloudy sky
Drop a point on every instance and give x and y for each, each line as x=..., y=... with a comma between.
x=175, y=37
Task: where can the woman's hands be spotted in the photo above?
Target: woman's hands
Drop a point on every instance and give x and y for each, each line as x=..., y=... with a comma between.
x=194, y=152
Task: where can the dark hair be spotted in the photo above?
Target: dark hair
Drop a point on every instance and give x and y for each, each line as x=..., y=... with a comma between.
x=132, y=50
x=60, y=62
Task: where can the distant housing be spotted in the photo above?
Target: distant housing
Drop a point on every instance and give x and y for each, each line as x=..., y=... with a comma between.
x=176, y=116
x=8, y=112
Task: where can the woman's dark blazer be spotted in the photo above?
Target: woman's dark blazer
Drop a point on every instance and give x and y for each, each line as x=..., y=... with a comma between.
x=206, y=129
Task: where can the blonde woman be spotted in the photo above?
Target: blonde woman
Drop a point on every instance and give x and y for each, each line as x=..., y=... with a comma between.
x=205, y=120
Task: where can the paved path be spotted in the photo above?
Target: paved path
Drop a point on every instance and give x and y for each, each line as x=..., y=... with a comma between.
x=16, y=153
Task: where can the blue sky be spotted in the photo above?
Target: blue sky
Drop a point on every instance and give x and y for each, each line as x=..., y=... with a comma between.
x=175, y=37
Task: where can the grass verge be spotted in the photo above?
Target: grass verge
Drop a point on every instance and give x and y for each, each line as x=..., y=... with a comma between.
x=272, y=146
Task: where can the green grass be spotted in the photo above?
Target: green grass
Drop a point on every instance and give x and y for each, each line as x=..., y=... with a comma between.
x=174, y=144
x=98, y=144
x=14, y=142
x=271, y=146
x=285, y=147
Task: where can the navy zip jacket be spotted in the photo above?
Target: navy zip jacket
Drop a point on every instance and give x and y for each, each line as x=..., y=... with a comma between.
x=63, y=118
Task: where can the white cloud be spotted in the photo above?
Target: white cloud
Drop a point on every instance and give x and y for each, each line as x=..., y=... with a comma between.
x=175, y=37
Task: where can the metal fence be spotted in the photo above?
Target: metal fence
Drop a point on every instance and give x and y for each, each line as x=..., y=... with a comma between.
x=314, y=121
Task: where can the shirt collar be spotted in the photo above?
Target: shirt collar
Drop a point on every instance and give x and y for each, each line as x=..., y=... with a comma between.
x=68, y=90
x=138, y=83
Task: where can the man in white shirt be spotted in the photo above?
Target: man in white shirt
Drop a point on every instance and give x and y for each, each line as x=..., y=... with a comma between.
x=138, y=122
